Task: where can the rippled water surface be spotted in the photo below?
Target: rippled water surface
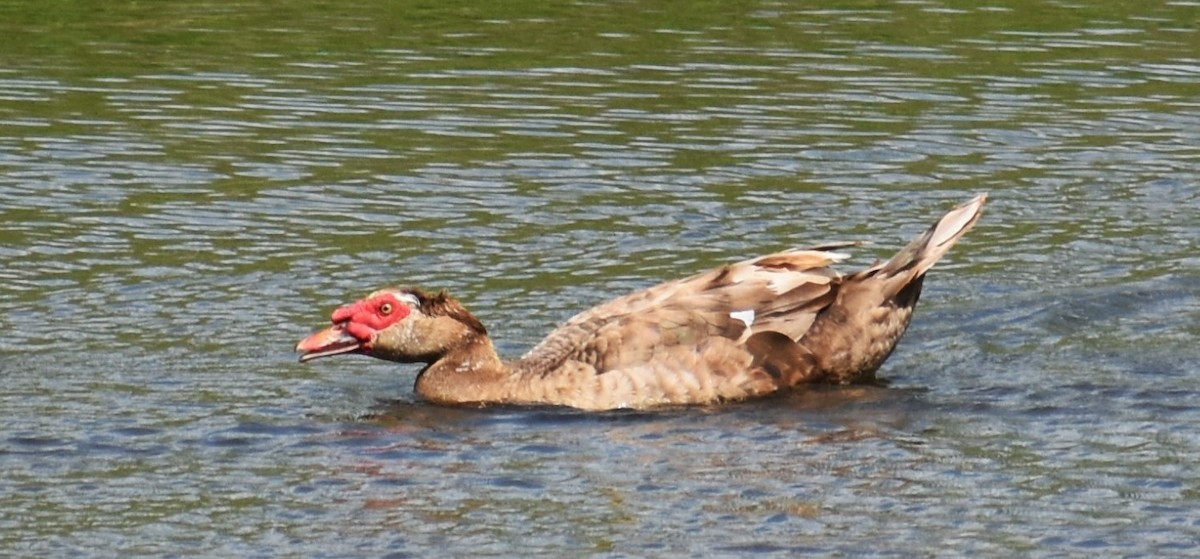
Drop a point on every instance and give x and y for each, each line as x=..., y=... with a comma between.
x=188, y=188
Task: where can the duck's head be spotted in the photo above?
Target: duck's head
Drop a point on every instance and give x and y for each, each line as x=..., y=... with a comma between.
x=397, y=324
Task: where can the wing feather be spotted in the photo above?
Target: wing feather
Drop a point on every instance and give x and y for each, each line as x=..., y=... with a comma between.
x=783, y=292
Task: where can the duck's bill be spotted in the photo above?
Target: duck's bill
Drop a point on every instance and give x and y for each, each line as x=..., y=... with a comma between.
x=330, y=341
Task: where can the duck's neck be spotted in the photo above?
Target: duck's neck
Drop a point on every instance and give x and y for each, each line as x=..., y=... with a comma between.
x=469, y=373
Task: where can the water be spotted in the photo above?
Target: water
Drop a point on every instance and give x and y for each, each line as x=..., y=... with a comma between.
x=188, y=189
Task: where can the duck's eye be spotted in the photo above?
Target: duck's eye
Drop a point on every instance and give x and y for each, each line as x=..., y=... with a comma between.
x=385, y=309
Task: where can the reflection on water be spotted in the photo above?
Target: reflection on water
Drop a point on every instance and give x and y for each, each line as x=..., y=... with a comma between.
x=187, y=189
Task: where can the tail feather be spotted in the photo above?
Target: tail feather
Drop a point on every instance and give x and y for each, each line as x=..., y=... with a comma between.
x=923, y=252
x=851, y=338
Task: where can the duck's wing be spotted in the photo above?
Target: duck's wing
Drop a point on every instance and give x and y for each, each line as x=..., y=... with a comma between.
x=780, y=293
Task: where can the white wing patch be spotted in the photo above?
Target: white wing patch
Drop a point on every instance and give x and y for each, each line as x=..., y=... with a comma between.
x=746, y=316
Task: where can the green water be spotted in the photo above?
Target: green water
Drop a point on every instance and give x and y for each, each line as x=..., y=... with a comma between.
x=187, y=188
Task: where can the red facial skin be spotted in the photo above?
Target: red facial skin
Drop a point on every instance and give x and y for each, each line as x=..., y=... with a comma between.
x=365, y=318
x=355, y=327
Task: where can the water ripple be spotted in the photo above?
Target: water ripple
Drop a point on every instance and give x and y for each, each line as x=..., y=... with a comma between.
x=172, y=224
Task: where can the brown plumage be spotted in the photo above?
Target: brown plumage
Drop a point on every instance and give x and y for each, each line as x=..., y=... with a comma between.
x=742, y=330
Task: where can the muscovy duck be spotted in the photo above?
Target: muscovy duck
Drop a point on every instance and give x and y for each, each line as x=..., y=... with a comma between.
x=741, y=331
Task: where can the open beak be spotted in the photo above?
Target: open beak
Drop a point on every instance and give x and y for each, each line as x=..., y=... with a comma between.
x=330, y=341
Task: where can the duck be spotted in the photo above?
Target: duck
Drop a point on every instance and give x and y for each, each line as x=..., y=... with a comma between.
x=750, y=329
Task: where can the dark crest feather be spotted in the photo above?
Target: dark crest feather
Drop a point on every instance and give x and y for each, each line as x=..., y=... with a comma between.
x=442, y=304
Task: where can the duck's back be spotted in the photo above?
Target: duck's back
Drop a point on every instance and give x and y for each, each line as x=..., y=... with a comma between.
x=686, y=341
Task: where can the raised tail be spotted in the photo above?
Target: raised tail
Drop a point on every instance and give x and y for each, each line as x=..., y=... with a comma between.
x=852, y=337
x=923, y=252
